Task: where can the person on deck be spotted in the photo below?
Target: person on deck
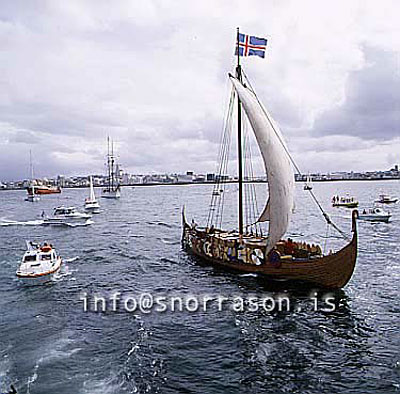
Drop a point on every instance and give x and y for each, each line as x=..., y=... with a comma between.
x=289, y=247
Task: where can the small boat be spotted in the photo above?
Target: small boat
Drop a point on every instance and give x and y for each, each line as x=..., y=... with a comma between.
x=344, y=202
x=65, y=216
x=113, y=189
x=32, y=196
x=246, y=248
x=43, y=189
x=91, y=204
x=308, y=185
x=40, y=262
x=385, y=199
x=374, y=215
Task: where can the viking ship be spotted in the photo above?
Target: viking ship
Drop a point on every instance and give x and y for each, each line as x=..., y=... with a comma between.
x=246, y=249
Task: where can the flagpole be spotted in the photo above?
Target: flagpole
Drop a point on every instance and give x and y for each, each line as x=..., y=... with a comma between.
x=239, y=141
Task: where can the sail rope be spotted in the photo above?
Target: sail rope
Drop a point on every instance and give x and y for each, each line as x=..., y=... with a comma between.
x=250, y=193
x=324, y=213
x=215, y=212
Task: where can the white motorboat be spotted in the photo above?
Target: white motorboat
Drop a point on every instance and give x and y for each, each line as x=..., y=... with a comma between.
x=65, y=216
x=374, y=215
x=113, y=189
x=39, y=263
x=91, y=204
x=386, y=199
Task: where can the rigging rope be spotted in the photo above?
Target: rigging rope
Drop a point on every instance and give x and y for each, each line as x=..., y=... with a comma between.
x=216, y=205
x=250, y=194
x=254, y=196
x=325, y=215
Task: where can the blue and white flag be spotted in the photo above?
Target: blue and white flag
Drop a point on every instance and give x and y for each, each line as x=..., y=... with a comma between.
x=251, y=46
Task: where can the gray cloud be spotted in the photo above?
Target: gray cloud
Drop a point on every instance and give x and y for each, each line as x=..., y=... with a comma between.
x=153, y=76
x=371, y=107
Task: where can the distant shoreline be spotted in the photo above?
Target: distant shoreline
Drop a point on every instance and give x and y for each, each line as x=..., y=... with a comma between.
x=213, y=183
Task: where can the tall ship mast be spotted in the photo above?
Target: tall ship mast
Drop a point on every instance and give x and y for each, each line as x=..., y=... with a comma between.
x=113, y=188
x=247, y=248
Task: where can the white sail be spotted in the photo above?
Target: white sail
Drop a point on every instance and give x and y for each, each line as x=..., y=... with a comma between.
x=277, y=164
x=92, y=196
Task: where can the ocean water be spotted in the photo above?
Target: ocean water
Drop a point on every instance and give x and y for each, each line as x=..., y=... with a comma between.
x=50, y=344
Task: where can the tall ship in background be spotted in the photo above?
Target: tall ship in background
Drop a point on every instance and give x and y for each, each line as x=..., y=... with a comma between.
x=113, y=188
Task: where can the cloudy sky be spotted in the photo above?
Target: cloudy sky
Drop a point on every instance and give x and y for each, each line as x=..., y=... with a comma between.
x=153, y=75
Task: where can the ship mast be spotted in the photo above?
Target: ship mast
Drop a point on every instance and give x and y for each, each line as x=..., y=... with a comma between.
x=31, y=165
x=239, y=141
x=108, y=162
x=112, y=166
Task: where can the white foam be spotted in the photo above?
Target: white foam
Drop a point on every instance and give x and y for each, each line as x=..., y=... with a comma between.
x=5, y=222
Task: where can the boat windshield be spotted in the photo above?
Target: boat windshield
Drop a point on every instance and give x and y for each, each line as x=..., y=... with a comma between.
x=45, y=257
x=30, y=258
x=64, y=210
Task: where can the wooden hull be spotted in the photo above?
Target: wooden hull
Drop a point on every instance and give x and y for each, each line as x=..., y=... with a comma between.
x=331, y=271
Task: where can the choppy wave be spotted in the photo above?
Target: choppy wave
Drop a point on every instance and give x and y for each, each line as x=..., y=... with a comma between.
x=135, y=247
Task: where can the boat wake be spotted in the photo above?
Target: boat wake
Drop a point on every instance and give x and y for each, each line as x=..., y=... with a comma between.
x=5, y=222
x=39, y=222
x=167, y=241
x=65, y=270
x=87, y=223
x=71, y=260
x=168, y=225
x=62, y=349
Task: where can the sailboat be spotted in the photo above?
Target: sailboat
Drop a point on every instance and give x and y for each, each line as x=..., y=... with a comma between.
x=308, y=185
x=113, y=189
x=249, y=251
x=31, y=193
x=91, y=204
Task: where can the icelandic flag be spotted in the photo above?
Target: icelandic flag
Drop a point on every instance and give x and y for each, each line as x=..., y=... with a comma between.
x=251, y=46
